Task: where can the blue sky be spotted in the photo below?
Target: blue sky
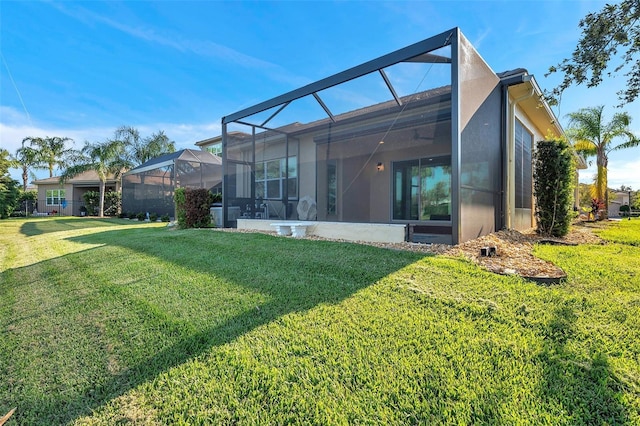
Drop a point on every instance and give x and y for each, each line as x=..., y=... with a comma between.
x=81, y=69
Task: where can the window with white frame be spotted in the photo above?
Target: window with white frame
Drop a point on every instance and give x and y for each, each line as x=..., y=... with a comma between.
x=55, y=197
x=215, y=149
x=271, y=179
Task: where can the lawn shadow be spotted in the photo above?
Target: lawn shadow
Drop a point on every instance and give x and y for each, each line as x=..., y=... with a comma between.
x=299, y=283
x=45, y=225
x=587, y=390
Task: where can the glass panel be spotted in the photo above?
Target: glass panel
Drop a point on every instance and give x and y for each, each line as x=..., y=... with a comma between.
x=523, y=160
x=332, y=189
x=435, y=197
x=260, y=189
x=292, y=184
x=273, y=169
x=259, y=171
x=425, y=184
x=406, y=190
x=293, y=167
x=273, y=189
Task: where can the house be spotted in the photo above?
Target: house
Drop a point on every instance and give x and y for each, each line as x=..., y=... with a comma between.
x=444, y=163
x=621, y=199
x=150, y=186
x=67, y=198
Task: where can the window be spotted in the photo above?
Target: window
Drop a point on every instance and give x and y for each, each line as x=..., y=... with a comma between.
x=55, y=197
x=524, y=170
x=271, y=179
x=332, y=188
x=215, y=149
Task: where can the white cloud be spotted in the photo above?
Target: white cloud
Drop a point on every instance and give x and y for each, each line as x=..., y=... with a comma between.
x=623, y=169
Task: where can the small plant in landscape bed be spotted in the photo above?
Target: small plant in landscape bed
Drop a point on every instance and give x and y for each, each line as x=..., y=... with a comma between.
x=553, y=186
x=165, y=218
x=153, y=217
x=141, y=216
x=133, y=215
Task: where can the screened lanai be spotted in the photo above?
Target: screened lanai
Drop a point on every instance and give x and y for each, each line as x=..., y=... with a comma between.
x=150, y=187
x=414, y=138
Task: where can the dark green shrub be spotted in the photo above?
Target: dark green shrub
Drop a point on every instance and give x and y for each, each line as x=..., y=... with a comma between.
x=553, y=174
x=91, y=202
x=197, y=203
x=133, y=216
x=9, y=193
x=179, y=197
x=192, y=207
x=141, y=216
x=165, y=218
x=153, y=217
x=123, y=215
x=112, y=203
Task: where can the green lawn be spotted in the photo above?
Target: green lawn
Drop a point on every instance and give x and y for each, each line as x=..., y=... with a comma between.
x=112, y=321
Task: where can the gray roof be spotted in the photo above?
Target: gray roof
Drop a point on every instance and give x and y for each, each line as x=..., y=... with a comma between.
x=195, y=155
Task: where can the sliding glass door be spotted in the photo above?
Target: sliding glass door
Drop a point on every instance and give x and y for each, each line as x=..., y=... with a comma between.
x=422, y=189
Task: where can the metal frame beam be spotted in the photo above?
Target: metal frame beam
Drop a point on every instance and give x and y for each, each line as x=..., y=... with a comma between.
x=401, y=55
x=324, y=106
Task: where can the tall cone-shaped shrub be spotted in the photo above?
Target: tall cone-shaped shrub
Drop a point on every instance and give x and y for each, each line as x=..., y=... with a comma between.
x=553, y=173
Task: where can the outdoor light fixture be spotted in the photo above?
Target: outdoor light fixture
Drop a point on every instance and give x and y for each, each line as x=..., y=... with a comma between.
x=380, y=167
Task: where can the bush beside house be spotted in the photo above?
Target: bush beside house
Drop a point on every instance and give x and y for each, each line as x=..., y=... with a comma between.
x=553, y=186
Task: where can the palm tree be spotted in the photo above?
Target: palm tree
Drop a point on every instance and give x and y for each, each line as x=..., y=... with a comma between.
x=52, y=151
x=593, y=137
x=143, y=150
x=26, y=157
x=105, y=158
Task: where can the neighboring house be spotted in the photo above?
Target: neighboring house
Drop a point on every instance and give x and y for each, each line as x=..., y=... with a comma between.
x=150, y=186
x=67, y=199
x=445, y=164
x=622, y=199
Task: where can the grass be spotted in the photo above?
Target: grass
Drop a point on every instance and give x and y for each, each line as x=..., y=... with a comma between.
x=110, y=321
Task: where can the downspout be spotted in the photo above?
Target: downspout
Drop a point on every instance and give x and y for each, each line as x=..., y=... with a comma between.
x=511, y=156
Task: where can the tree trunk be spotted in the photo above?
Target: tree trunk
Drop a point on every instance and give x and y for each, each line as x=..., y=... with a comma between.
x=25, y=178
x=601, y=182
x=101, y=205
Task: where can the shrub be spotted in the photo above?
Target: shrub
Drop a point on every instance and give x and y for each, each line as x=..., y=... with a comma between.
x=112, y=203
x=197, y=203
x=141, y=216
x=192, y=206
x=133, y=216
x=9, y=193
x=179, y=197
x=123, y=215
x=153, y=217
x=553, y=186
x=91, y=202
x=165, y=218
